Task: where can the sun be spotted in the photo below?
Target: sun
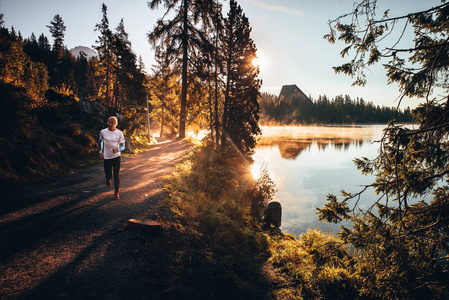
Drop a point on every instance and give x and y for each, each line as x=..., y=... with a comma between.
x=255, y=171
x=258, y=61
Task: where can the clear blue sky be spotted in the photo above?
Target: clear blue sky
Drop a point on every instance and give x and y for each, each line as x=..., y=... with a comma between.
x=288, y=35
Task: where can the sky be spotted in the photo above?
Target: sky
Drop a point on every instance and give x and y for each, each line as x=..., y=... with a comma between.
x=288, y=35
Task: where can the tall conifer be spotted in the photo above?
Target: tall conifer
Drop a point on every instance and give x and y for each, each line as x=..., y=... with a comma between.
x=403, y=236
x=57, y=30
x=176, y=39
x=241, y=107
x=105, y=50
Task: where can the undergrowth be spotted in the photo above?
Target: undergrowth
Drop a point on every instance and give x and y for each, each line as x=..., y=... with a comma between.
x=316, y=265
x=38, y=142
x=214, y=197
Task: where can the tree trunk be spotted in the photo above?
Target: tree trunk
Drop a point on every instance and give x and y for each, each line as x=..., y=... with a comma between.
x=108, y=99
x=217, y=132
x=211, y=113
x=182, y=117
x=162, y=122
x=228, y=82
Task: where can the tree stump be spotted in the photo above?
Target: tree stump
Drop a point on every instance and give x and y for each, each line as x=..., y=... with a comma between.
x=151, y=227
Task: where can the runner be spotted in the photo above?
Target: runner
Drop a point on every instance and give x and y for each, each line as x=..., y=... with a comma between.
x=110, y=144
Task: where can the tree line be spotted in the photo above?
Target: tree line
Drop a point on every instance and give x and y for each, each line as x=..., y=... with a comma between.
x=113, y=78
x=324, y=110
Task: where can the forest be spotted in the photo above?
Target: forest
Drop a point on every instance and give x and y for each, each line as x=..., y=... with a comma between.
x=397, y=248
x=338, y=110
x=56, y=103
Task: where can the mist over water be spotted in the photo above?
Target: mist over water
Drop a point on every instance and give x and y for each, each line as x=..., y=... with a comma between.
x=309, y=162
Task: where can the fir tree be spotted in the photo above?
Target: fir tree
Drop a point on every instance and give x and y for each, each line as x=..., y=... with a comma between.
x=176, y=39
x=404, y=236
x=57, y=30
x=105, y=49
x=241, y=107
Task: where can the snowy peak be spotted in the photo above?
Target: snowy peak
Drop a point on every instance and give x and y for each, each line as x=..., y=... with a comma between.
x=89, y=52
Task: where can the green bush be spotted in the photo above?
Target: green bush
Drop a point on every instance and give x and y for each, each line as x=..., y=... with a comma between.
x=314, y=266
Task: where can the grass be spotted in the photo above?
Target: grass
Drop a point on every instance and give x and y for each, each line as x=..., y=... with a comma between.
x=34, y=153
x=213, y=195
x=215, y=199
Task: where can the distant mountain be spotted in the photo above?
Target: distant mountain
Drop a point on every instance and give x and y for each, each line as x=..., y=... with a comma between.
x=293, y=93
x=89, y=52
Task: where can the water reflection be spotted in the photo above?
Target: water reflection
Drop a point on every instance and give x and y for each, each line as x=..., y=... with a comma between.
x=292, y=140
x=309, y=162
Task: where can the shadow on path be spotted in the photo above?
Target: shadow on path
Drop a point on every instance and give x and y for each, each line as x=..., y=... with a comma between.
x=66, y=236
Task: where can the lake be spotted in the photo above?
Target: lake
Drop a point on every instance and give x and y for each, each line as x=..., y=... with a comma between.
x=309, y=162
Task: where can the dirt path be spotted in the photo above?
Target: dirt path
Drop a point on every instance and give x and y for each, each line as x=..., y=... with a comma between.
x=67, y=239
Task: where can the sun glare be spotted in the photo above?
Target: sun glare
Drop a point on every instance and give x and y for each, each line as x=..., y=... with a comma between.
x=256, y=62
x=256, y=171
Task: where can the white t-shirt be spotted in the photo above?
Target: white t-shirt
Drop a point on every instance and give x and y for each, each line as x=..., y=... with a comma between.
x=111, y=140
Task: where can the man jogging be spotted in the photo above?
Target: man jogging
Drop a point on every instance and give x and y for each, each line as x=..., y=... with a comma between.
x=110, y=144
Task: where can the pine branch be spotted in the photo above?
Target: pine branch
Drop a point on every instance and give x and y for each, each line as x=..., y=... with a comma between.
x=419, y=48
x=411, y=15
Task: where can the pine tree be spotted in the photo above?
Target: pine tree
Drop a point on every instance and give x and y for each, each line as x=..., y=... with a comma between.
x=45, y=49
x=126, y=62
x=165, y=91
x=241, y=107
x=93, y=82
x=18, y=69
x=404, y=235
x=57, y=30
x=105, y=49
x=176, y=39
x=216, y=67
x=81, y=69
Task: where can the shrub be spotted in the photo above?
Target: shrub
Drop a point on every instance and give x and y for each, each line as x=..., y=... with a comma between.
x=314, y=266
x=13, y=101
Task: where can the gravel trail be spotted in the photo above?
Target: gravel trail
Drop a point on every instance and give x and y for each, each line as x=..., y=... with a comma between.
x=67, y=238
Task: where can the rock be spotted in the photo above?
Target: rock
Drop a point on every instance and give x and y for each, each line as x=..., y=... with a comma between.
x=273, y=214
x=129, y=144
x=94, y=110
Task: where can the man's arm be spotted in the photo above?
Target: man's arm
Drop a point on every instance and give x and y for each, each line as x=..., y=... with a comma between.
x=121, y=147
